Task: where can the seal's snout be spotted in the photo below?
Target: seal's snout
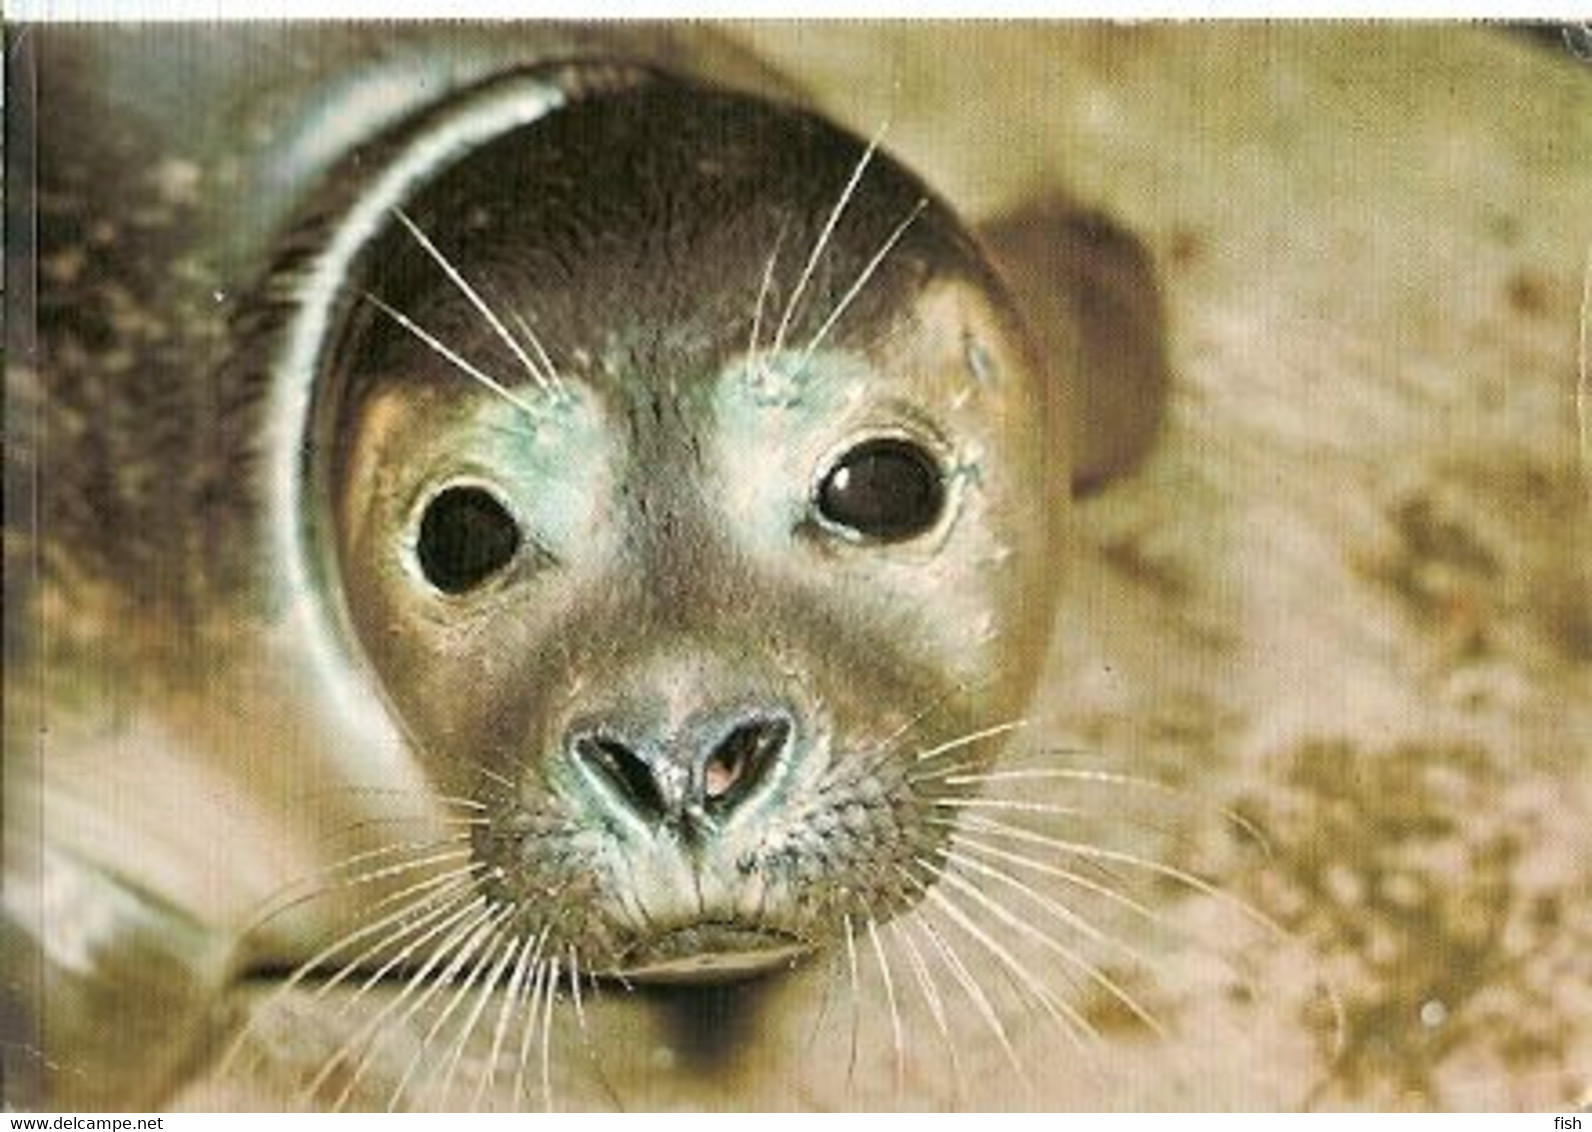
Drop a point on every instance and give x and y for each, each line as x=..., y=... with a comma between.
x=699, y=772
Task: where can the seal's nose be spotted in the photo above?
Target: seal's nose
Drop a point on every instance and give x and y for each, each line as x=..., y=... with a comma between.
x=705, y=770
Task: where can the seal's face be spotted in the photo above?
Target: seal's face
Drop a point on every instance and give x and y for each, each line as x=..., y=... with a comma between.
x=697, y=508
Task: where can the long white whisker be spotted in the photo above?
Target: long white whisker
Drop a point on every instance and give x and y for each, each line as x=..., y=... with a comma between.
x=971, y=738
x=474, y=298
x=533, y=997
x=1066, y=954
x=862, y=281
x=279, y=907
x=895, y=1012
x=505, y=1013
x=754, y=341
x=1015, y=805
x=461, y=901
x=1101, y=778
x=547, y=1035
x=931, y=995
x=364, y=1036
x=1054, y=907
x=823, y=241
x=467, y=1028
x=449, y=355
x=1068, y=1021
x=1078, y=880
x=454, y=907
x=541, y=353
x=1133, y=860
x=975, y=994
x=856, y=1004
x=448, y=898
x=480, y=942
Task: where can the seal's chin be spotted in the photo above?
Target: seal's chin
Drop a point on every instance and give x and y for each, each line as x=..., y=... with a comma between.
x=712, y=953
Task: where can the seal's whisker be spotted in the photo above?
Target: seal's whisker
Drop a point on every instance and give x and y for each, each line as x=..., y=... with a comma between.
x=467, y=1028
x=475, y=300
x=970, y=987
x=856, y=1004
x=424, y=796
x=483, y=1085
x=533, y=998
x=448, y=354
x=824, y=236
x=1056, y=908
x=931, y=997
x=1102, y=778
x=575, y=974
x=363, y=824
x=1088, y=851
x=881, y=752
x=1068, y=1021
x=478, y=944
x=897, y=1037
x=755, y=340
x=1067, y=955
x=547, y=1035
x=559, y=387
x=449, y=897
x=288, y=897
x=866, y=274
x=1015, y=805
x=491, y=775
x=474, y=915
x=969, y=739
x=832, y=973
x=1077, y=880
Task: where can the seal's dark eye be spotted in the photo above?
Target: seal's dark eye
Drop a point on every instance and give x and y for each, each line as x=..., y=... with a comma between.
x=886, y=489
x=466, y=536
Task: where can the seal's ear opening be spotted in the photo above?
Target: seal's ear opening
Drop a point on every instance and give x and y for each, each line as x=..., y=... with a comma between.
x=1086, y=290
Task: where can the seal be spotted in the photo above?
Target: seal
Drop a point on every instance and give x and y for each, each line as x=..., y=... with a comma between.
x=643, y=495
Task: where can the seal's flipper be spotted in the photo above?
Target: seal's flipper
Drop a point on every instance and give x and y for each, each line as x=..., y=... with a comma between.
x=115, y=994
x=1087, y=289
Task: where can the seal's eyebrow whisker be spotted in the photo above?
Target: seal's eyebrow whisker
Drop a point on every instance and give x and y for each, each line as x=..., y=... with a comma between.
x=863, y=277
x=755, y=340
x=560, y=389
x=445, y=352
x=824, y=237
x=548, y=381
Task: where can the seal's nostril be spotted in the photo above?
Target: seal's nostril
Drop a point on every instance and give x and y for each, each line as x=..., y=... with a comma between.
x=624, y=771
x=736, y=765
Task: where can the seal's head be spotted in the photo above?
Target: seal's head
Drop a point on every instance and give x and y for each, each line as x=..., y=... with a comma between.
x=696, y=502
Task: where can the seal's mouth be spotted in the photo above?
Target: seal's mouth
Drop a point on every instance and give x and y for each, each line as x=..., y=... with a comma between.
x=712, y=952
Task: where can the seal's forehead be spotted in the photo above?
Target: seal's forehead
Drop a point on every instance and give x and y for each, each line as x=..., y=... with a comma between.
x=646, y=234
